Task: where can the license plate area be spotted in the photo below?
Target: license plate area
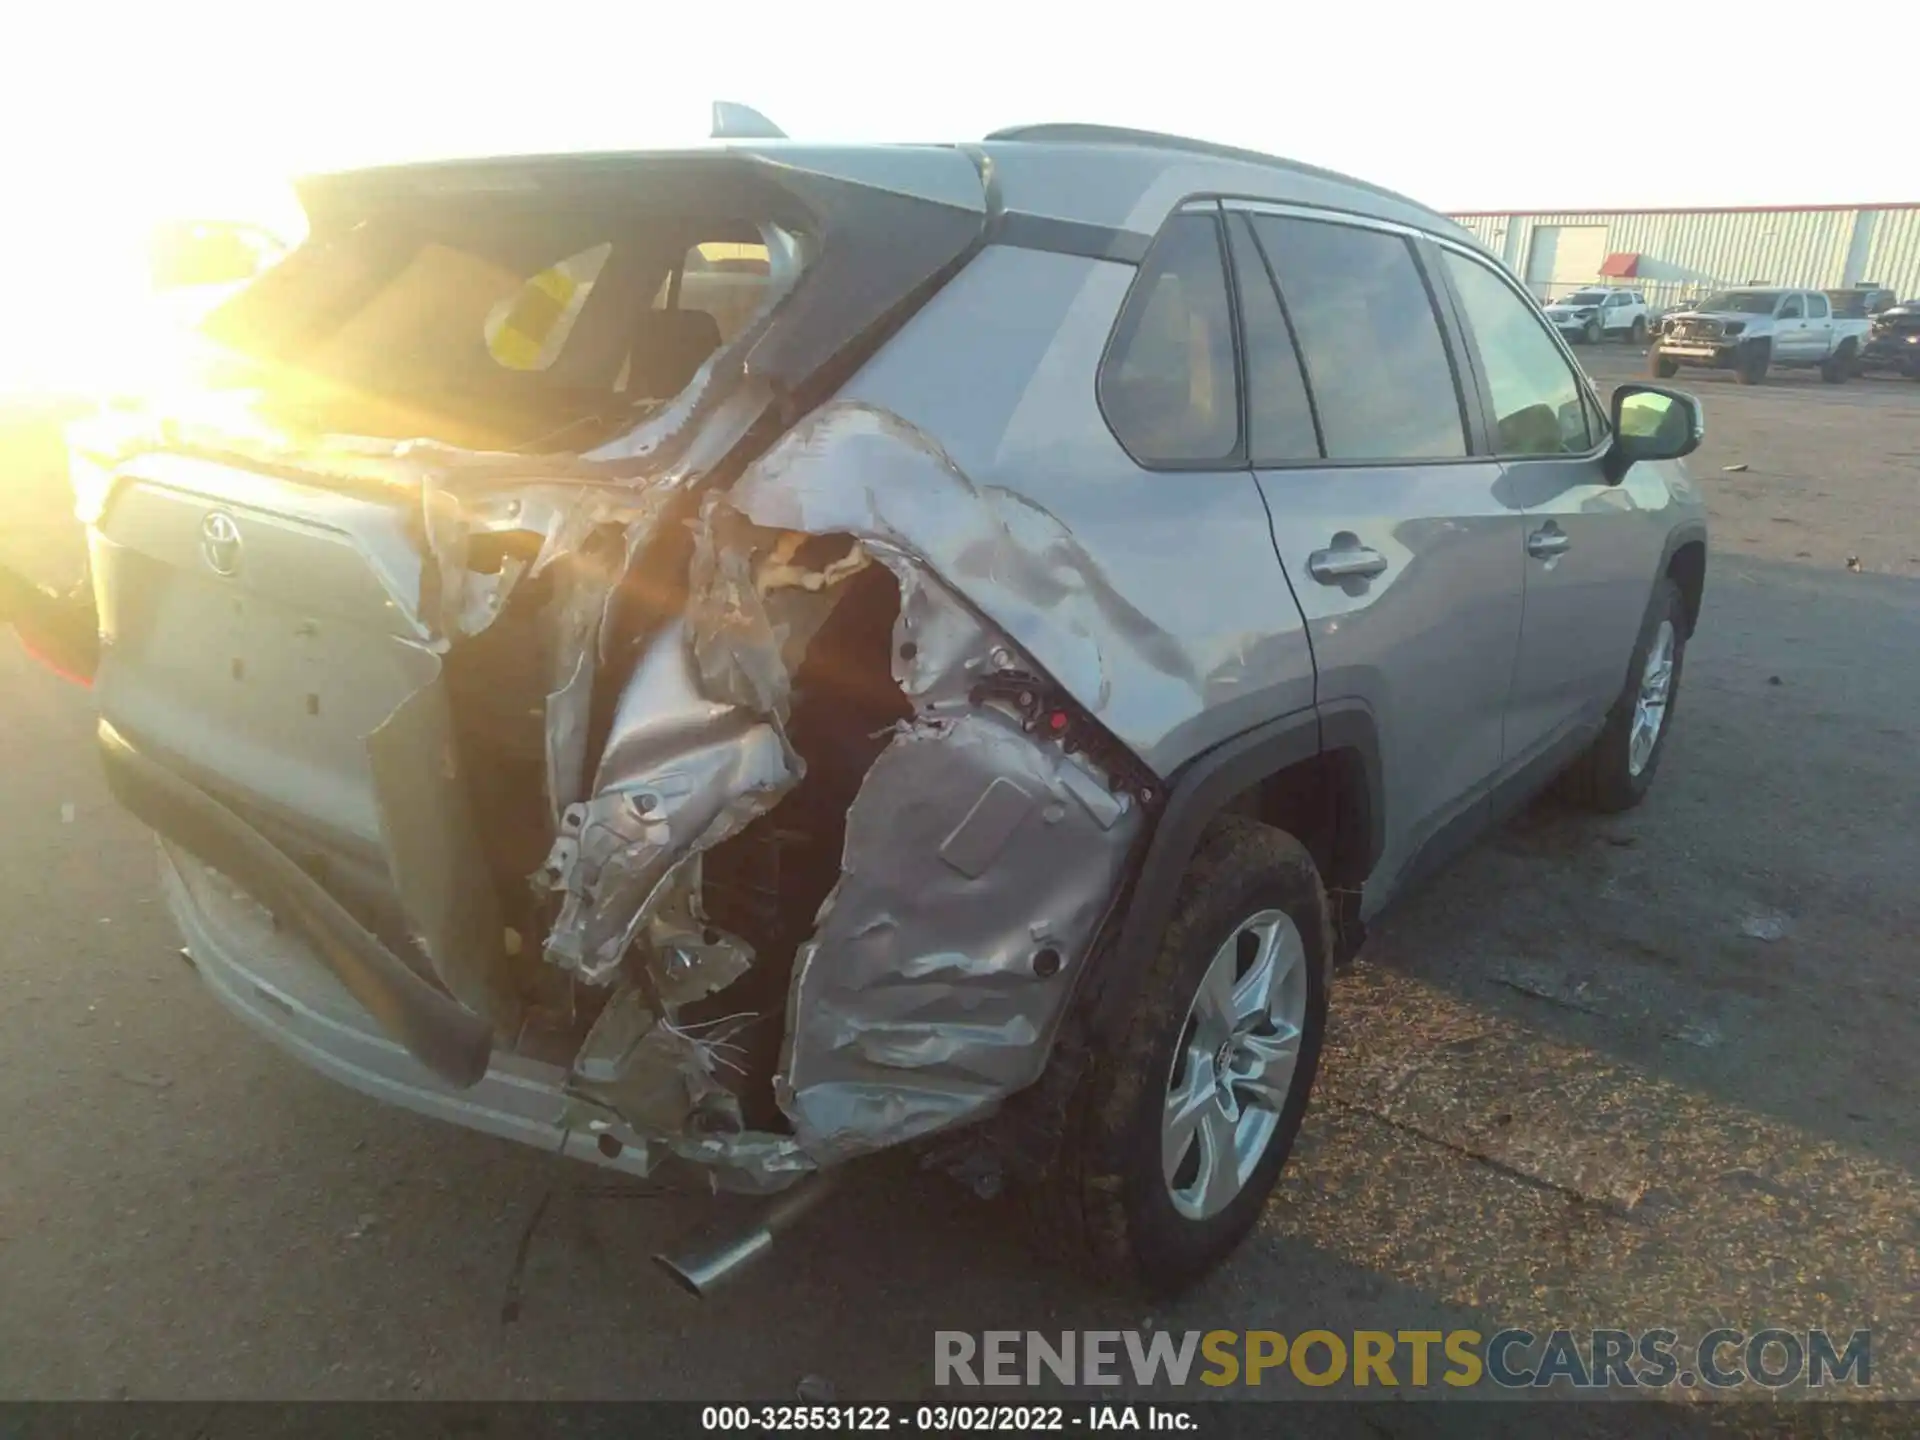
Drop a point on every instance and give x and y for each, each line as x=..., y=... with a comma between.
x=262, y=683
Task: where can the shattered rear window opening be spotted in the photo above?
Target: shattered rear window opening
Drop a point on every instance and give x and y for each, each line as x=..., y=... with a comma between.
x=486, y=325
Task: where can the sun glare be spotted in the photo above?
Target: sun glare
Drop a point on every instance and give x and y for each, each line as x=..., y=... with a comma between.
x=88, y=314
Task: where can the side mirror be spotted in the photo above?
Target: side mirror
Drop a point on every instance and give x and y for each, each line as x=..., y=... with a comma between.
x=1651, y=422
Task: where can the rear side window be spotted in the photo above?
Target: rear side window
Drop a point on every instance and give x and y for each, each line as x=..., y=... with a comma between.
x=1167, y=384
x=729, y=280
x=1279, y=415
x=1381, y=382
x=1539, y=405
x=1816, y=307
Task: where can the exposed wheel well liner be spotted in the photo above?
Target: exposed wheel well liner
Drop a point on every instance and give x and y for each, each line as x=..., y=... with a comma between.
x=1688, y=567
x=1330, y=753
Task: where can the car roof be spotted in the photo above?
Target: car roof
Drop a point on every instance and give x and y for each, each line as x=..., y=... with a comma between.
x=1100, y=175
x=1130, y=179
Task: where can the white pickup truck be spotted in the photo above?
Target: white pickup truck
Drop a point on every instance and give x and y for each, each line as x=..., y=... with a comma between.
x=1754, y=329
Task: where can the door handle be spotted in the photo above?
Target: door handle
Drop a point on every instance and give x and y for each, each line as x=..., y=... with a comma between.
x=1346, y=562
x=1547, y=542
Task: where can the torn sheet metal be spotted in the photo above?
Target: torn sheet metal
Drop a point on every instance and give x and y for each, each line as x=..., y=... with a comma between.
x=753, y=607
x=680, y=774
x=855, y=469
x=660, y=1077
x=654, y=1081
x=979, y=863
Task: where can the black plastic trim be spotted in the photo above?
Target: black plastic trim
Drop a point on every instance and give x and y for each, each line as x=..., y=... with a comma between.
x=1199, y=792
x=1071, y=237
x=435, y=1029
x=1349, y=725
x=1693, y=532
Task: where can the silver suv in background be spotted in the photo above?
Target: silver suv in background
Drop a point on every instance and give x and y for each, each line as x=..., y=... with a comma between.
x=1590, y=316
x=967, y=697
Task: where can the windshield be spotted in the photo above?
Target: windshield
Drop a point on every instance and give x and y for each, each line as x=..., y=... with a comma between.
x=1585, y=297
x=1741, y=302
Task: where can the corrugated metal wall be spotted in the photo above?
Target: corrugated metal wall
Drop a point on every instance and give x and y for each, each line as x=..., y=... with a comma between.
x=1687, y=251
x=1893, y=256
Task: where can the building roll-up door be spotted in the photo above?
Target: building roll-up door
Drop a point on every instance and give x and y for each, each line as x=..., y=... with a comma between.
x=1564, y=257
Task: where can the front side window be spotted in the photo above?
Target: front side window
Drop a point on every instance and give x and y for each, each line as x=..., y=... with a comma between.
x=1539, y=405
x=1378, y=369
x=1790, y=308
x=1167, y=383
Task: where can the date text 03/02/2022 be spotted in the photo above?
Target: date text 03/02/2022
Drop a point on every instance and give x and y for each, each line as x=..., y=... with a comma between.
x=945, y=1418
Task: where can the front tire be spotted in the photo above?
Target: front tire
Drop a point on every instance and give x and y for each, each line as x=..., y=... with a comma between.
x=1593, y=332
x=1662, y=367
x=1179, y=1132
x=1638, y=335
x=1618, y=768
x=1750, y=368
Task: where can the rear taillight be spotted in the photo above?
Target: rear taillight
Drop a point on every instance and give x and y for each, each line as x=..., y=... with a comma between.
x=61, y=633
x=53, y=663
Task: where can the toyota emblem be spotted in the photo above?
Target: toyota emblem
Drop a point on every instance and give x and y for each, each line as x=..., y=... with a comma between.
x=220, y=543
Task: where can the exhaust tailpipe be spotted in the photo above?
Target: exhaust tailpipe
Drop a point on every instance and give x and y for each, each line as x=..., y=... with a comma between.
x=710, y=1259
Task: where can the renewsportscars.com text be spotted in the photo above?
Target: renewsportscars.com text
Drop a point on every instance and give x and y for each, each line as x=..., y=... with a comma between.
x=1511, y=1359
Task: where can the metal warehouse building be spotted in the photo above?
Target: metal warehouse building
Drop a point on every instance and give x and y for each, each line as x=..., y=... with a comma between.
x=1671, y=254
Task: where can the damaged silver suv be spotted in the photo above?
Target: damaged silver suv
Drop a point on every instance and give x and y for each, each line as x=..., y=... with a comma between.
x=728, y=661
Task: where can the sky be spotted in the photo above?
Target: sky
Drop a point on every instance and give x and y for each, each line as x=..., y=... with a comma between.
x=114, y=115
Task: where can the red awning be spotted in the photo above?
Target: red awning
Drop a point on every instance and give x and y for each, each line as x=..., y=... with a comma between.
x=1621, y=266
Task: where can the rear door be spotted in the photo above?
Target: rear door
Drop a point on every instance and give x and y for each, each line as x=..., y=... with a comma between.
x=1589, y=548
x=1790, y=340
x=1400, y=541
x=1819, y=326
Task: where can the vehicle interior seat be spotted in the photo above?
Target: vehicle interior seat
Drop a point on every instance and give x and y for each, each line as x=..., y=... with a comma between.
x=669, y=347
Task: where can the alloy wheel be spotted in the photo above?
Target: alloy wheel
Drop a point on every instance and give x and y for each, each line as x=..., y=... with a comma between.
x=1234, y=1066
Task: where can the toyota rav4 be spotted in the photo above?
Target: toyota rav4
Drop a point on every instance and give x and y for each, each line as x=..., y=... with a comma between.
x=726, y=662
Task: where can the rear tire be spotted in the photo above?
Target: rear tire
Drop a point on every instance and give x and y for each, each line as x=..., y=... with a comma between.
x=1662, y=367
x=1618, y=768
x=1113, y=1201
x=1751, y=367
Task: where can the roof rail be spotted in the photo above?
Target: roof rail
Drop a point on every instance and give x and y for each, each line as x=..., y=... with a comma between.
x=1077, y=133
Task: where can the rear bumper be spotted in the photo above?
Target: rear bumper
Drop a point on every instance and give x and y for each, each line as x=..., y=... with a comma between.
x=276, y=985
x=445, y=1037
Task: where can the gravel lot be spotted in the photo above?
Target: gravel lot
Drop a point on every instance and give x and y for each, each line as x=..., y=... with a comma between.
x=1567, y=1086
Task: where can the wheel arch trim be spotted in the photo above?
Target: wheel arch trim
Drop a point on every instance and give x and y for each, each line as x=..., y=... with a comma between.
x=1198, y=793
